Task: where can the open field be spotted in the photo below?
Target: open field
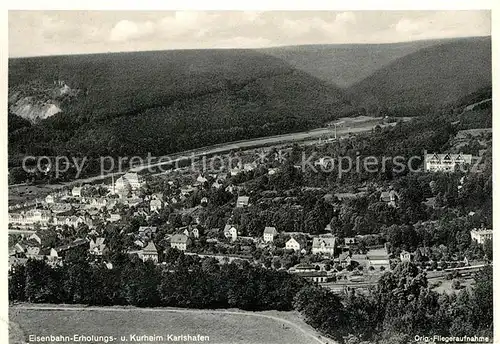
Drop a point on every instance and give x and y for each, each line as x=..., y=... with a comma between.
x=220, y=326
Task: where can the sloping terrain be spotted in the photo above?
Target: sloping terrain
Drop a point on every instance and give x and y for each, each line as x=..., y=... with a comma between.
x=220, y=326
x=162, y=102
x=345, y=64
x=434, y=75
x=167, y=101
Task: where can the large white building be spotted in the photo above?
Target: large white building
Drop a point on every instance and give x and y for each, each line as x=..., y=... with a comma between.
x=481, y=235
x=446, y=162
x=378, y=258
x=35, y=216
x=129, y=181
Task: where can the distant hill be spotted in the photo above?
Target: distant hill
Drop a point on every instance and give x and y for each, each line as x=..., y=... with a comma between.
x=122, y=82
x=167, y=101
x=436, y=75
x=345, y=64
x=161, y=102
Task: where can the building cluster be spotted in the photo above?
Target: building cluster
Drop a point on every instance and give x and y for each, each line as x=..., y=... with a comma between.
x=88, y=205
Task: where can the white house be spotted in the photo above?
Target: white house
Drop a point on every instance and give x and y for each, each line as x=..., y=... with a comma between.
x=133, y=180
x=230, y=188
x=195, y=233
x=76, y=191
x=114, y=217
x=97, y=246
x=378, y=258
x=323, y=245
x=74, y=221
x=405, y=256
x=98, y=203
x=231, y=232
x=122, y=187
x=293, y=244
x=150, y=253
x=201, y=179
x=179, y=241
x=155, y=205
x=250, y=166
x=49, y=199
x=390, y=197
x=269, y=234
x=242, y=201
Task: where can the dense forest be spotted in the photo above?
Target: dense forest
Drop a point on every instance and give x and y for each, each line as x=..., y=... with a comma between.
x=162, y=102
x=439, y=74
x=173, y=101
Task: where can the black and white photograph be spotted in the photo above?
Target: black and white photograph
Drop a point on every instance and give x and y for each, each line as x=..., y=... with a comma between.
x=249, y=176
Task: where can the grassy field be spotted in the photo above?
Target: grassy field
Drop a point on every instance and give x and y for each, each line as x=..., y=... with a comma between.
x=231, y=328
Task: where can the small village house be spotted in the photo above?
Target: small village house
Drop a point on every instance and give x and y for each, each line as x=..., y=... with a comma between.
x=114, y=217
x=147, y=232
x=231, y=232
x=242, y=201
x=269, y=234
x=294, y=244
x=150, y=253
x=155, y=205
x=405, y=256
x=76, y=191
x=97, y=246
x=390, y=197
x=180, y=241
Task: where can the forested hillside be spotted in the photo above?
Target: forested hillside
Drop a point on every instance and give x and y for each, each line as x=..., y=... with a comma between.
x=345, y=64
x=163, y=102
x=434, y=76
x=168, y=101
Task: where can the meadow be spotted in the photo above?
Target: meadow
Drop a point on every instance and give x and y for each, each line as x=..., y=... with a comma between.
x=231, y=327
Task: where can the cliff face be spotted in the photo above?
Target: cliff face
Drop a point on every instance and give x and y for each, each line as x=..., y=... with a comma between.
x=33, y=110
x=37, y=101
